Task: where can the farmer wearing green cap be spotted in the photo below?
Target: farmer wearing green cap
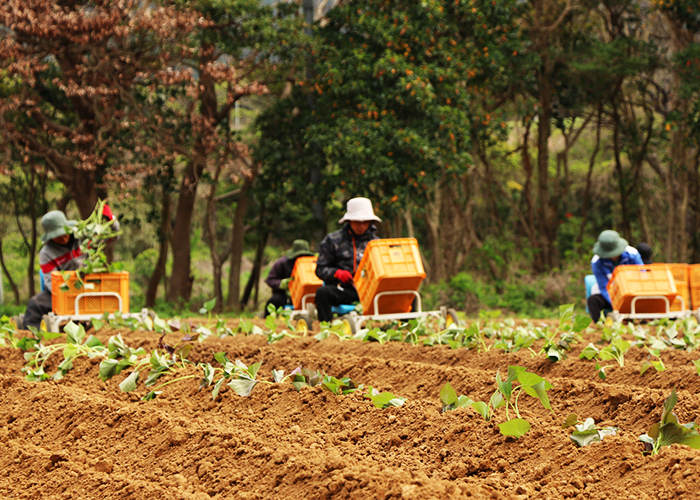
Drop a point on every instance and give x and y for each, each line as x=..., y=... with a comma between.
x=61, y=252
x=610, y=251
x=281, y=273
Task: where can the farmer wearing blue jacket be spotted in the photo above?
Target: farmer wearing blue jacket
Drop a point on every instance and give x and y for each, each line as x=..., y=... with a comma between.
x=610, y=251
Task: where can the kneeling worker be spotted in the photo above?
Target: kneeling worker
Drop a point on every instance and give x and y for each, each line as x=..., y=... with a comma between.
x=281, y=272
x=339, y=255
x=610, y=251
x=61, y=252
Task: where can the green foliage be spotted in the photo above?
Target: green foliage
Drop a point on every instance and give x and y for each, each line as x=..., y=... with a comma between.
x=77, y=344
x=506, y=395
x=668, y=431
x=383, y=400
x=585, y=433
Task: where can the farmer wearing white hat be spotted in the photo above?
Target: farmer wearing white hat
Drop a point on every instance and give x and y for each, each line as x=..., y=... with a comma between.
x=339, y=255
x=611, y=250
x=281, y=272
x=61, y=252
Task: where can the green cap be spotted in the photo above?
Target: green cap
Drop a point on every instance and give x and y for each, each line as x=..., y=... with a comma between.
x=299, y=249
x=54, y=224
x=609, y=245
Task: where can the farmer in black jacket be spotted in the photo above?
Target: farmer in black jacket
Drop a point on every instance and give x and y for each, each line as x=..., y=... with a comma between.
x=340, y=254
x=281, y=272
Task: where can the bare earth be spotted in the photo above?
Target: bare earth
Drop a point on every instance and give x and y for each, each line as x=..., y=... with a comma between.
x=80, y=438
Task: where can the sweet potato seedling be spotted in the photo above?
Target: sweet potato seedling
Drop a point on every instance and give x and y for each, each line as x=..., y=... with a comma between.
x=569, y=332
x=450, y=400
x=507, y=394
x=384, y=400
x=585, y=433
x=668, y=431
x=657, y=363
x=77, y=344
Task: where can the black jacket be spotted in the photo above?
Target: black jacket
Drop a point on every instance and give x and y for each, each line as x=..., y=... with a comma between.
x=342, y=249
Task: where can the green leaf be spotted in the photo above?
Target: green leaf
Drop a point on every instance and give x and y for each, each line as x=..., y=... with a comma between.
x=581, y=323
x=253, y=369
x=497, y=400
x=516, y=427
x=482, y=409
x=463, y=401
x=697, y=366
x=448, y=396
x=93, y=341
x=221, y=357
x=589, y=352
x=513, y=372
x=217, y=387
x=129, y=383
x=670, y=402
x=528, y=379
x=572, y=419
x=242, y=387
x=108, y=369
x=277, y=375
x=566, y=314
x=75, y=333
x=210, y=304
x=539, y=391
x=584, y=438
x=270, y=322
x=150, y=396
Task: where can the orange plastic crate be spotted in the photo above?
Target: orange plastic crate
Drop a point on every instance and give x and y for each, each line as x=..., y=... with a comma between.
x=304, y=280
x=694, y=282
x=389, y=265
x=684, y=292
x=641, y=281
x=680, y=277
x=63, y=302
x=679, y=271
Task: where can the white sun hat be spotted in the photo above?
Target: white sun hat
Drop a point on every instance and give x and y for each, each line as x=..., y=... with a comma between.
x=359, y=209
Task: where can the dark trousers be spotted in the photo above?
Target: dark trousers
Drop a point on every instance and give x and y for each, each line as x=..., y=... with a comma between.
x=37, y=306
x=328, y=296
x=596, y=304
x=279, y=299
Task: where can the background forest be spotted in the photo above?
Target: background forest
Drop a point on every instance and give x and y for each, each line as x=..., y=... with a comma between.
x=503, y=135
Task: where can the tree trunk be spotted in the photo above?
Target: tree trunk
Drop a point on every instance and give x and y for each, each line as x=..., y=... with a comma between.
x=255, y=273
x=15, y=290
x=84, y=191
x=589, y=177
x=181, y=279
x=238, y=231
x=164, y=238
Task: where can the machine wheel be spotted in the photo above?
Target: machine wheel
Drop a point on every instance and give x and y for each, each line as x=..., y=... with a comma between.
x=19, y=321
x=451, y=318
x=302, y=327
x=45, y=325
x=348, y=325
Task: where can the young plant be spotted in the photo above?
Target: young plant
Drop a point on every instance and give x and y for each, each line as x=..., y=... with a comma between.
x=77, y=344
x=384, y=400
x=172, y=360
x=507, y=394
x=569, y=331
x=668, y=431
x=657, y=364
x=586, y=432
x=450, y=400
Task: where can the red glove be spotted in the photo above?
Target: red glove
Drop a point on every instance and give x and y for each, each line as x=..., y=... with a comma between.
x=343, y=275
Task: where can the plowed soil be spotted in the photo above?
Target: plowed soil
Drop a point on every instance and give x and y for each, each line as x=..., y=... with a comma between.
x=81, y=438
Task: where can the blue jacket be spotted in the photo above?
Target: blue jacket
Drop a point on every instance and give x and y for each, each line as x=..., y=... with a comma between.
x=603, y=268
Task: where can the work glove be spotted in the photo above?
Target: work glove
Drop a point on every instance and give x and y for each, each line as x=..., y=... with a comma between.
x=343, y=275
x=284, y=284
